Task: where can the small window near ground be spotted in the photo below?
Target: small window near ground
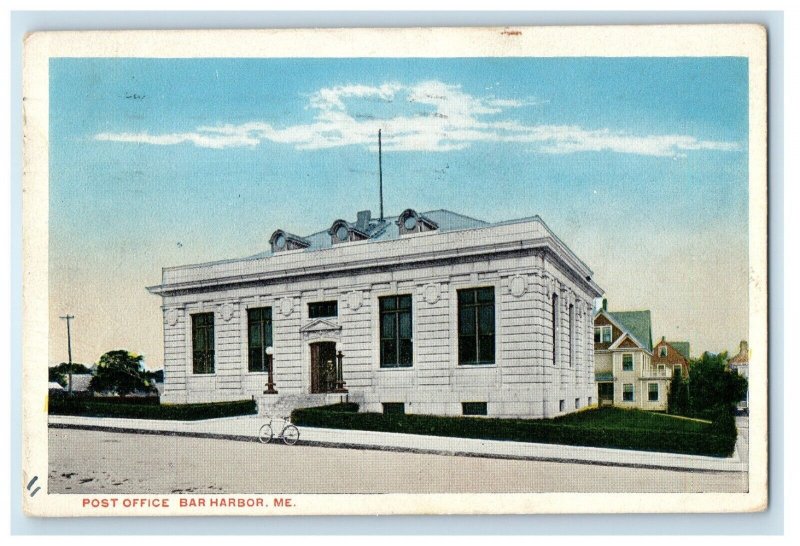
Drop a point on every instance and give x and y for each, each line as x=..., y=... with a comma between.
x=561, y=405
x=652, y=392
x=627, y=363
x=627, y=392
x=577, y=403
x=589, y=401
x=473, y=408
x=394, y=408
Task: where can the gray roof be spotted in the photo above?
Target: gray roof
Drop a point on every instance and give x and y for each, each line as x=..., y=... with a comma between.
x=388, y=229
x=637, y=324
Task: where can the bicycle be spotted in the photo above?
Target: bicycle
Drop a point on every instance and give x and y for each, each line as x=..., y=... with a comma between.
x=289, y=433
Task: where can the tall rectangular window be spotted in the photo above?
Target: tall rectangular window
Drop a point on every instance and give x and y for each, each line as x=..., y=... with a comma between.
x=627, y=392
x=627, y=363
x=396, y=338
x=476, y=326
x=321, y=309
x=554, y=327
x=652, y=392
x=571, y=334
x=203, y=343
x=259, y=337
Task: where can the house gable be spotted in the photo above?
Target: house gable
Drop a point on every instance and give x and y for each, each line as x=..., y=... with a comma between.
x=673, y=356
x=626, y=341
x=602, y=320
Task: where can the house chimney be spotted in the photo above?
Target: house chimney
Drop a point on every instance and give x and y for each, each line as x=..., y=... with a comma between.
x=663, y=339
x=363, y=218
x=742, y=347
x=605, y=304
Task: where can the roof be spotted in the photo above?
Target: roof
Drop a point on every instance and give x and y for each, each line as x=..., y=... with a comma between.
x=636, y=324
x=388, y=229
x=80, y=381
x=682, y=347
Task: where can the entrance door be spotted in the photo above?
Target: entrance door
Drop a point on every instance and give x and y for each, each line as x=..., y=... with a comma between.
x=323, y=366
x=605, y=391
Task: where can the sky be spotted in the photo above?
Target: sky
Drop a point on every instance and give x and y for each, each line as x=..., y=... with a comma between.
x=638, y=164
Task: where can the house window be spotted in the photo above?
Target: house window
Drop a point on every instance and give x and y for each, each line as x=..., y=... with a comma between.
x=589, y=401
x=676, y=370
x=554, y=327
x=652, y=392
x=394, y=408
x=602, y=334
x=561, y=405
x=662, y=351
x=627, y=392
x=662, y=370
x=259, y=337
x=321, y=309
x=473, y=408
x=577, y=403
x=627, y=362
x=203, y=343
x=476, y=326
x=396, y=338
x=571, y=333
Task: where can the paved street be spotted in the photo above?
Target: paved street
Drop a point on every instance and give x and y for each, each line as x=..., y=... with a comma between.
x=85, y=461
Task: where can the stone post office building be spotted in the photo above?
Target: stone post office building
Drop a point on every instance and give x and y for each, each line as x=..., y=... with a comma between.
x=432, y=312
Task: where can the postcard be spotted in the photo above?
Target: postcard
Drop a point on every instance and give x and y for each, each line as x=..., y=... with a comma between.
x=395, y=271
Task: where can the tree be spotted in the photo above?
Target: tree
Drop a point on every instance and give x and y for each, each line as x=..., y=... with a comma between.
x=678, y=398
x=121, y=372
x=712, y=386
x=58, y=374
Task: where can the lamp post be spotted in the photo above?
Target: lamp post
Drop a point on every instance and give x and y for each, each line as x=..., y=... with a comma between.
x=270, y=383
x=339, y=377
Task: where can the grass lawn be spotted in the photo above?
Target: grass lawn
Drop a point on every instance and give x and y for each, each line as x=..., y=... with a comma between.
x=604, y=427
x=141, y=408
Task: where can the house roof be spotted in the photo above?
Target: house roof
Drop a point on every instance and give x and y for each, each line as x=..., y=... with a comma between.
x=682, y=347
x=636, y=324
x=388, y=229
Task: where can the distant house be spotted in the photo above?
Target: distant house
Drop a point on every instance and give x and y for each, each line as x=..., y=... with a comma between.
x=80, y=382
x=741, y=365
x=624, y=372
x=55, y=388
x=671, y=357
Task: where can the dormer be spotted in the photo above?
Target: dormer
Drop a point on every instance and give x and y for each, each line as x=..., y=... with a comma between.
x=343, y=231
x=412, y=222
x=283, y=240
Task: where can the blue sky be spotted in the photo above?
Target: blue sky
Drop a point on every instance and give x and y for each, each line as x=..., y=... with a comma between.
x=640, y=165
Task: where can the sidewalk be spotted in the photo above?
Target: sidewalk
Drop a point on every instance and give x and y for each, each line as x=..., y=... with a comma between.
x=246, y=429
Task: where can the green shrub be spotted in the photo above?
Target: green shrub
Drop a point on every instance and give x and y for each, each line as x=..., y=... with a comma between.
x=608, y=430
x=99, y=407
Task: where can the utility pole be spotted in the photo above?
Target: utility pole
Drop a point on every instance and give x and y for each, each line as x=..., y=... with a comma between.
x=380, y=171
x=68, y=318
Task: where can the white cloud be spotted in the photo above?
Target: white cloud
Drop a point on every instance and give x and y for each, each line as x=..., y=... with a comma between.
x=429, y=116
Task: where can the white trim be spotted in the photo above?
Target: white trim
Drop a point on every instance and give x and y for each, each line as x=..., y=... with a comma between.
x=625, y=335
